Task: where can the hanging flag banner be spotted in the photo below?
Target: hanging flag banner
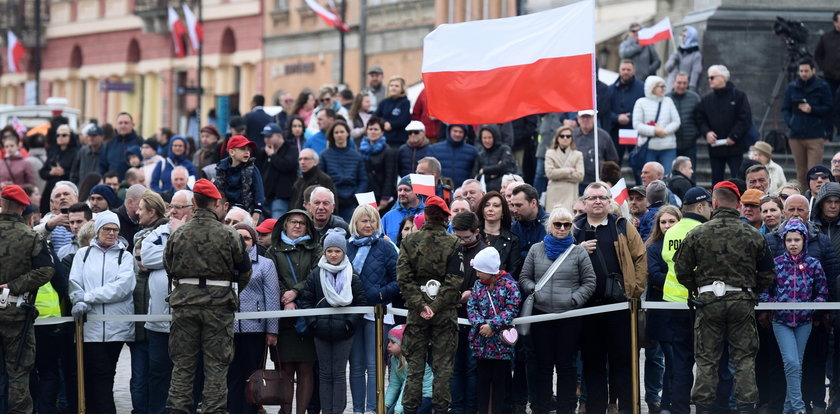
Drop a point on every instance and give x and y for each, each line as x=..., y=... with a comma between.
x=194, y=28
x=177, y=29
x=14, y=52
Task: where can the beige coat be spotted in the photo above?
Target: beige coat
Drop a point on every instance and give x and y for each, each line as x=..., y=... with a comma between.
x=564, y=172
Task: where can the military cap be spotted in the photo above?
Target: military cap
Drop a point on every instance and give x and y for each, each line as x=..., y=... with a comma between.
x=206, y=188
x=14, y=193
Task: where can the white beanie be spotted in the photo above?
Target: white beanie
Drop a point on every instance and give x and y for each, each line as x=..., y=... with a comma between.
x=487, y=261
x=104, y=218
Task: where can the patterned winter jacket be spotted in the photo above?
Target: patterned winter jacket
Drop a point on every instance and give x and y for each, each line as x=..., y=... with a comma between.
x=506, y=298
x=799, y=278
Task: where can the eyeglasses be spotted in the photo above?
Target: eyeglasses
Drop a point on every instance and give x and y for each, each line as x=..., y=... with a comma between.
x=558, y=225
x=62, y=135
x=325, y=100
x=414, y=132
x=564, y=136
x=174, y=207
x=110, y=229
x=305, y=158
x=247, y=238
x=593, y=198
x=294, y=223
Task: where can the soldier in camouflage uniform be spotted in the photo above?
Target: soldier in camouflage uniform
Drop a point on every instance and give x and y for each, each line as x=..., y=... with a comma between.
x=25, y=265
x=430, y=254
x=203, y=258
x=727, y=250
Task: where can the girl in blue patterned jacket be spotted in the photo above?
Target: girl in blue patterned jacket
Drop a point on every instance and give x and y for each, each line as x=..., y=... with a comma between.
x=799, y=278
x=493, y=304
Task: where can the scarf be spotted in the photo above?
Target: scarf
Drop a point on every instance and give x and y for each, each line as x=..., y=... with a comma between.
x=363, y=244
x=335, y=282
x=368, y=148
x=554, y=247
x=288, y=240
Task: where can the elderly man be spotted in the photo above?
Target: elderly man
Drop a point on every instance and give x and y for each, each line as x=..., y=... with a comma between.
x=181, y=208
x=238, y=215
x=584, y=137
x=750, y=207
x=471, y=190
x=128, y=214
x=321, y=207
x=653, y=171
x=53, y=226
x=681, y=173
x=686, y=102
x=459, y=205
x=724, y=118
x=408, y=204
x=758, y=178
x=835, y=167
x=310, y=175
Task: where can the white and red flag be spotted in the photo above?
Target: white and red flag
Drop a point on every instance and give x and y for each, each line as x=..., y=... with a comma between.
x=628, y=137
x=176, y=27
x=367, y=198
x=423, y=184
x=619, y=192
x=194, y=28
x=656, y=33
x=492, y=71
x=14, y=52
x=329, y=17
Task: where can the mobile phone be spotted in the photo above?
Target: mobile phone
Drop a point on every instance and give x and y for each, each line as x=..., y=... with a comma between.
x=65, y=210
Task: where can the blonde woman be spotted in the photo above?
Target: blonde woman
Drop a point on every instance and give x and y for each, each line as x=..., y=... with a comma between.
x=564, y=170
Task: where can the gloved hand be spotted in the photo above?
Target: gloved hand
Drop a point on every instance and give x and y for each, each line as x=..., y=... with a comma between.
x=79, y=310
x=77, y=296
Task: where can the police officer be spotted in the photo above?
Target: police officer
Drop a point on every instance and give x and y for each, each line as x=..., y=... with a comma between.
x=25, y=265
x=205, y=259
x=725, y=262
x=430, y=272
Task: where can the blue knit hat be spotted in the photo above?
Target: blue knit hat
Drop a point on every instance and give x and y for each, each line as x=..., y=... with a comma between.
x=107, y=193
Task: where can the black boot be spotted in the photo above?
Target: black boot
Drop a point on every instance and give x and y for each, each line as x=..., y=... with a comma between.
x=703, y=409
x=407, y=410
x=746, y=409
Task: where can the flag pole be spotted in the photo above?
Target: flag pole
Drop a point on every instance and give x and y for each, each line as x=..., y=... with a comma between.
x=595, y=99
x=341, y=37
x=200, y=57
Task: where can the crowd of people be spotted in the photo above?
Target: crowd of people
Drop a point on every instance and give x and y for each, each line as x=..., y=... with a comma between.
x=265, y=217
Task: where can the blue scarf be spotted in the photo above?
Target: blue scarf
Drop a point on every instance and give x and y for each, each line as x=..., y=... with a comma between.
x=288, y=240
x=367, y=148
x=554, y=247
x=363, y=244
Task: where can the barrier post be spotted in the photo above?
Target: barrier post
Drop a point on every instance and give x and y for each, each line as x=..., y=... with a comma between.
x=80, y=365
x=634, y=354
x=380, y=358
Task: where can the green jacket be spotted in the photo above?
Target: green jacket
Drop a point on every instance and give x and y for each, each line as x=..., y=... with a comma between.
x=430, y=253
x=25, y=262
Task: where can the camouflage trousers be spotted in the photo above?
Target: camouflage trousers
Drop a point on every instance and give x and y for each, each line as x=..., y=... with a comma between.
x=18, y=397
x=441, y=335
x=731, y=320
x=196, y=330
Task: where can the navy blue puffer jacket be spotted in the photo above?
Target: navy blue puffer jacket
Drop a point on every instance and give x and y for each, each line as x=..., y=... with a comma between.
x=379, y=273
x=347, y=170
x=456, y=158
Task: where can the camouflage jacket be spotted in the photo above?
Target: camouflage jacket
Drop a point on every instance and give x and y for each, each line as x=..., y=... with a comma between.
x=25, y=262
x=727, y=249
x=205, y=248
x=431, y=253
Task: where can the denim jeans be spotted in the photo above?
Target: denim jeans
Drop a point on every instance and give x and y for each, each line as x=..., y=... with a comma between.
x=332, y=373
x=279, y=206
x=464, y=375
x=654, y=372
x=160, y=371
x=664, y=157
x=363, y=366
x=792, y=341
x=139, y=383
x=540, y=180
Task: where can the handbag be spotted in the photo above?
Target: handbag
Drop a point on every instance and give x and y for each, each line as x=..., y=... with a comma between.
x=528, y=304
x=614, y=288
x=638, y=156
x=508, y=335
x=263, y=386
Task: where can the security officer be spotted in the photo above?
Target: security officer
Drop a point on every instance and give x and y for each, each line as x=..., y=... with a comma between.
x=430, y=271
x=205, y=259
x=725, y=262
x=25, y=265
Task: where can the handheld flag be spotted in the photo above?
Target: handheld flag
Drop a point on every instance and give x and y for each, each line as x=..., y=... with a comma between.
x=619, y=192
x=423, y=184
x=367, y=198
x=656, y=33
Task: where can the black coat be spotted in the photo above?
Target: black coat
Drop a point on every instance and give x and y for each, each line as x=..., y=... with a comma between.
x=331, y=327
x=382, y=173
x=280, y=172
x=312, y=177
x=495, y=161
x=507, y=244
x=56, y=157
x=725, y=111
x=679, y=184
x=255, y=121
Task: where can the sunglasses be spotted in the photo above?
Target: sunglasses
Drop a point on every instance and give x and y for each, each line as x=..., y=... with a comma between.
x=325, y=99
x=558, y=225
x=62, y=135
x=712, y=77
x=564, y=136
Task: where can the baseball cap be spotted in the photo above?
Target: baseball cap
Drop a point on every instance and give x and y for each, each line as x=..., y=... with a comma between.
x=819, y=170
x=238, y=141
x=415, y=126
x=271, y=128
x=752, y=197
x=696, y=195
x=375, y=69
x=95, y=129
x=590, y=112
x=639, y=189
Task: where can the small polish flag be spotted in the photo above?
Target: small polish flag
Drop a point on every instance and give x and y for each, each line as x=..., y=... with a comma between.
x=331, y=18
x=619, y=192
x=423, y=184
x=655, y=33
x=367, y=198
x=534, y=66
x=176, y=27
x=194, y=28
x=14, y=52
x=628, y=137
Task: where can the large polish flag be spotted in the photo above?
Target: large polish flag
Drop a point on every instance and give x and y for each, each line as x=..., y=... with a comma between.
x=14, y=52
x=655, y=33
x=177, y=29
x=493, y=71
x=194, y=28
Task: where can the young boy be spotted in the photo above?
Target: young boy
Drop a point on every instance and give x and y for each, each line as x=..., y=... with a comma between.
x=239, y=179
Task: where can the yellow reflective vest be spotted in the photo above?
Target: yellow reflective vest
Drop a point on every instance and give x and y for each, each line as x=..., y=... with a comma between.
x=48, y=302
x=673, y=291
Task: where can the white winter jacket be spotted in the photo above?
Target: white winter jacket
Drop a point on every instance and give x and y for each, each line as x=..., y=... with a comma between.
x=151, y=253
x=108, y=283
x=644, y=112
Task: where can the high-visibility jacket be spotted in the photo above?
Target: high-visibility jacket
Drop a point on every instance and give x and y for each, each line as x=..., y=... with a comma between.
x=47, y=302
x=674, y=291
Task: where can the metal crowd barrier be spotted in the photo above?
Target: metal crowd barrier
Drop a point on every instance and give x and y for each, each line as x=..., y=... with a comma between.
x=379, y=311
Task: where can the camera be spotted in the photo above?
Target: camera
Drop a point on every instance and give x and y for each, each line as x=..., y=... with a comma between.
x=794, y=31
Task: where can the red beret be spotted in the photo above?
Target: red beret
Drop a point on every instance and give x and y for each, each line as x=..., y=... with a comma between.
x=238, y=141
x=15, y=193
x=206, y=188
x=729, y=186
x=438, y=202
x=266, y=226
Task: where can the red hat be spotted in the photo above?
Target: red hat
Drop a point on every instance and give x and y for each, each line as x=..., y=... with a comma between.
x=15, y=193
x=729, y=186
x=438, y=202
x=266, y=226
x=238, y=141
x=206, y=188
